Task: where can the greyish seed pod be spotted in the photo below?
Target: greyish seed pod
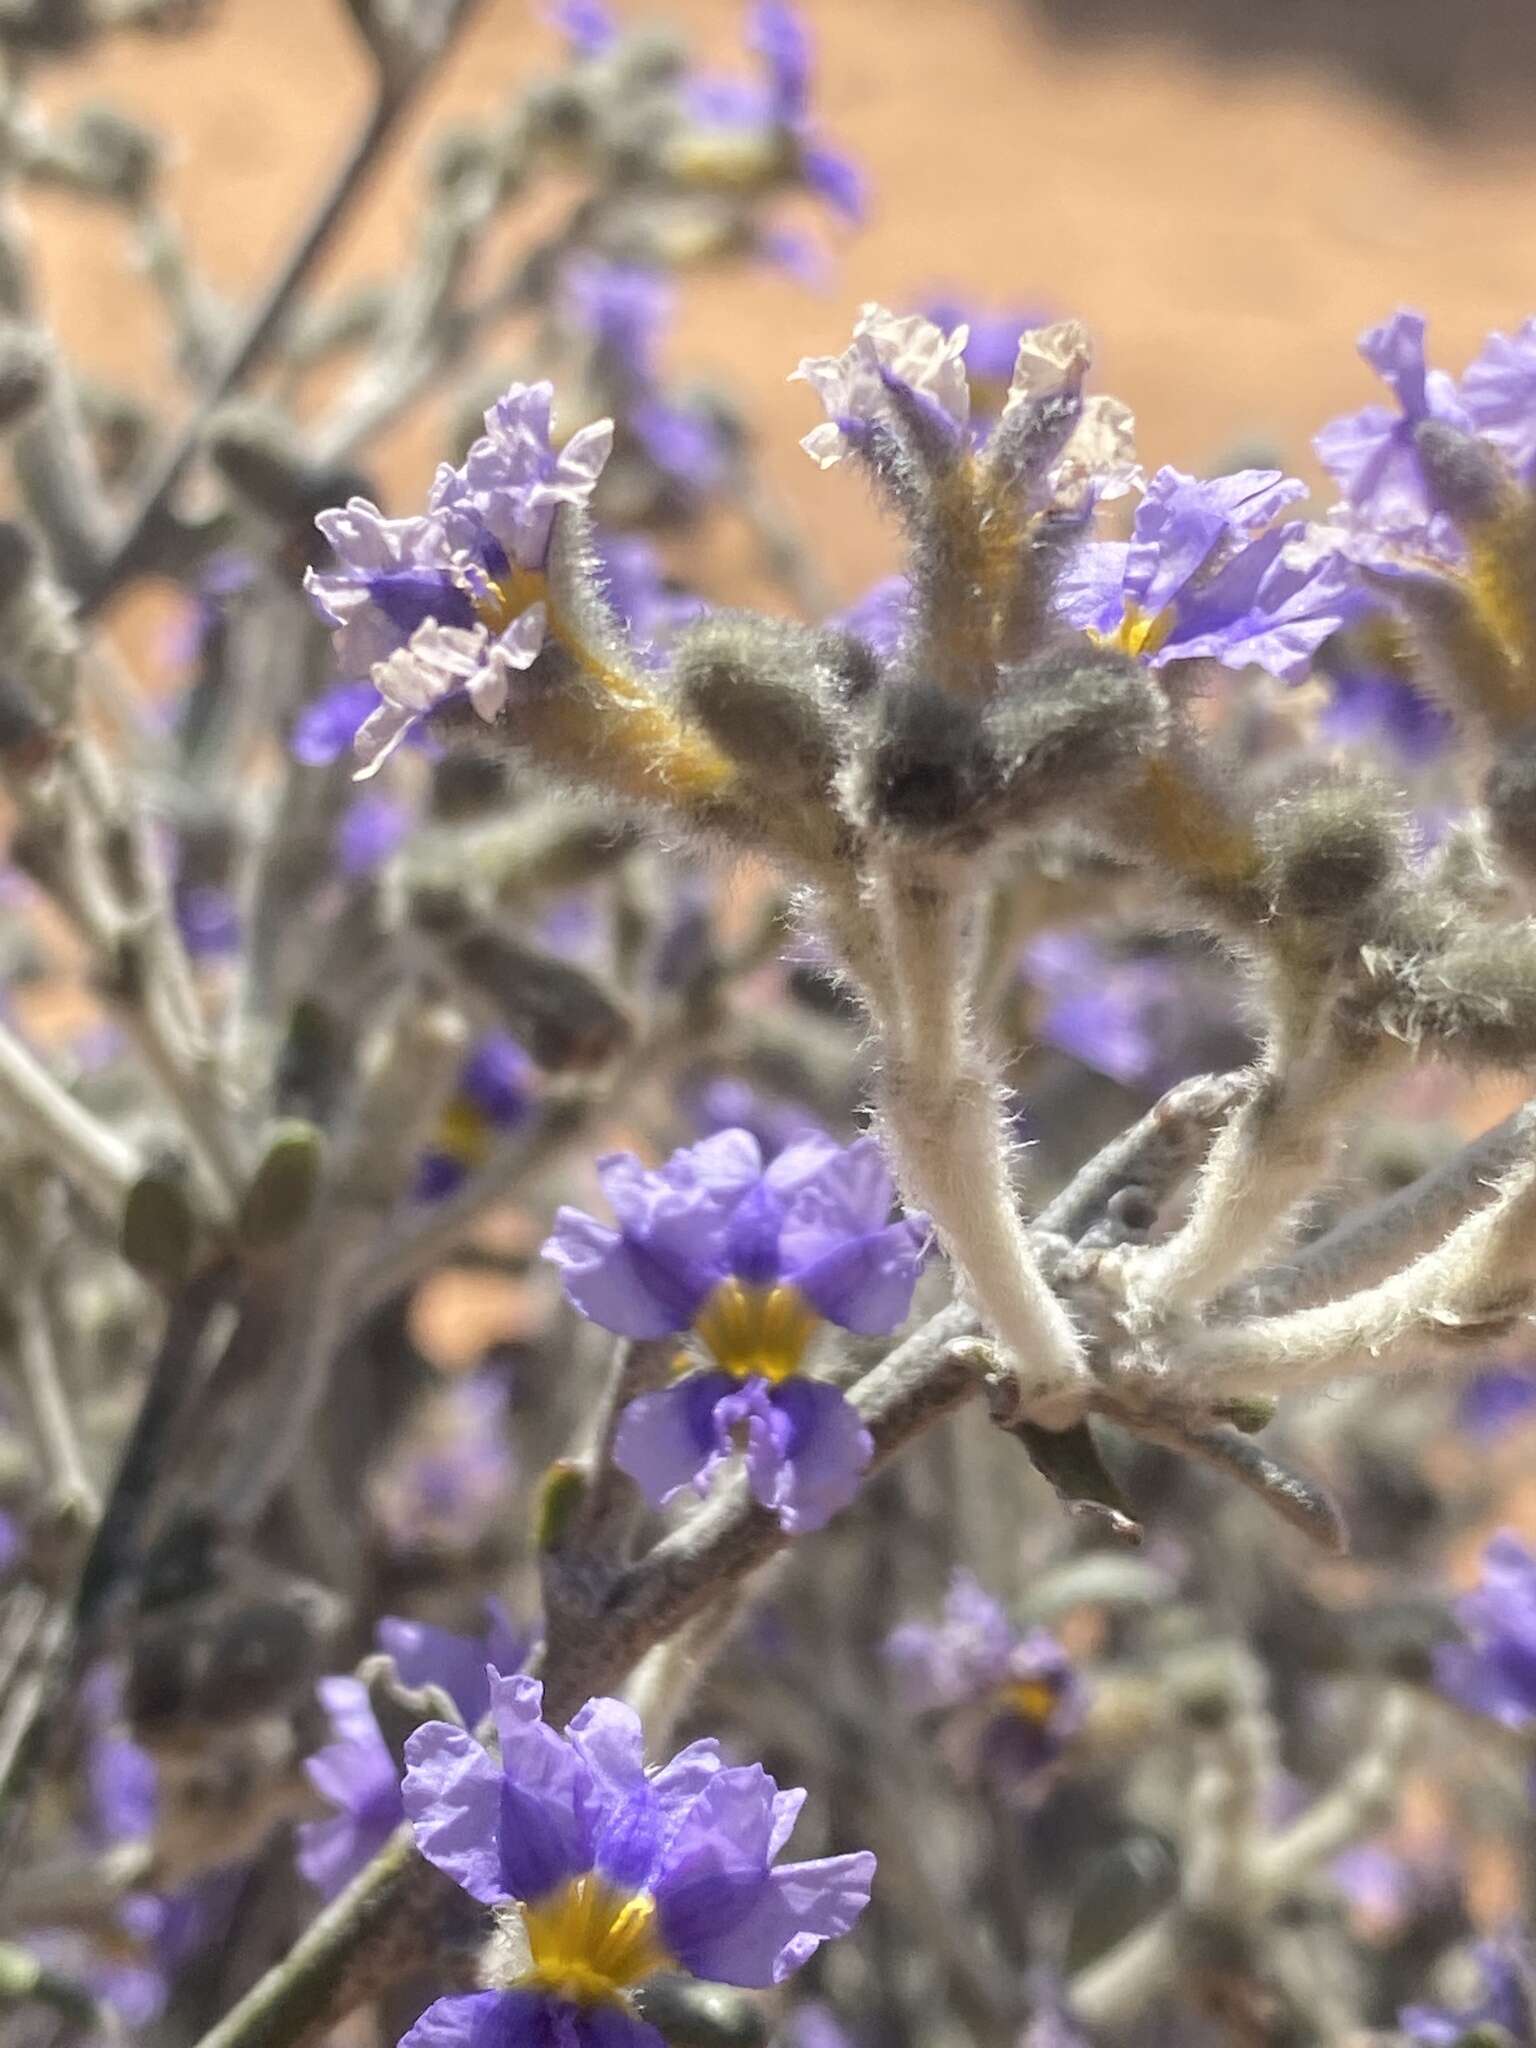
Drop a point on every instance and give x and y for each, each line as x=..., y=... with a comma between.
x=1069, y=724
x=1509, y=796
x=1464, y=475
x=1330, y=849
x=928, y=770
x=755, y=687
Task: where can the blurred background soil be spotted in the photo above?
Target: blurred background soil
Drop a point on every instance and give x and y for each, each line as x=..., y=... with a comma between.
x=1226, y=191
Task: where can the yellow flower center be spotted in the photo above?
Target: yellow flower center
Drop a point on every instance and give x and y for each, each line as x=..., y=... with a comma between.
x=756, y=1330
x=1031, y=1699
x=498, y=604
x=1138, y=632
x=463, y=1133
x=589, y=1942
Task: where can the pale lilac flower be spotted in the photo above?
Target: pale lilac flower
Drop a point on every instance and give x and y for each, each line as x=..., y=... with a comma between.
x=749, y=1260
x=991, y=345
x=1209, y=573
x=1494, y=1671
x=453, y=603
x=355, y=1774
x=1371, y=454
x=1498, y=393
x=1018, y=1697
x=887, y=348
x=611, y=1872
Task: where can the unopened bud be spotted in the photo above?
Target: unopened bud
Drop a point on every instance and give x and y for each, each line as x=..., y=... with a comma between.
x=282, y=1192
x=752, y=686
x=1070, y=724
x=1329, y=849
x=1464, y=475
x=931, y=771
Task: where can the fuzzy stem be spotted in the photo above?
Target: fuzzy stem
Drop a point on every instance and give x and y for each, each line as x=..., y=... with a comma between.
x=1275, y=1149
x=941, y=1112
x=1474, y=1284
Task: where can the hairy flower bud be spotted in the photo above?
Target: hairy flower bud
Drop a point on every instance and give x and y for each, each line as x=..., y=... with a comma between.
x=1330, y=848
x=1071, y=722
x=1464, y=475
x=1509, y=796
x=752, y=685
x=929, y=770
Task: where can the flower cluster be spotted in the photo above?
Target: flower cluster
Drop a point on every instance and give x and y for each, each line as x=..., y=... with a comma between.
x=603, y=1873
x=452, y=602
x=749, y=1261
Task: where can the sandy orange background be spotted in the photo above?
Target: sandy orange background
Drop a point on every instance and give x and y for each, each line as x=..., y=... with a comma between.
x=1225, y=228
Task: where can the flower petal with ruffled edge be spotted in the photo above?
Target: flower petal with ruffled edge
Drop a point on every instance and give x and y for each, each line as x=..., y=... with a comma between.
x=549, y=1807
x=806, y=1448
x=724, y=1912
x=453, y=1796
x=1498, y=390
x=356, y=1775
x=1371, y=454
x=667, y=1441
x=886, y=348
x=441, y=662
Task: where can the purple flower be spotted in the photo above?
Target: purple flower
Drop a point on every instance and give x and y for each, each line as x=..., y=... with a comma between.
x=728, y=1103
x=749, y=1260
x=1017, y=1699
x=447, y=1484
x=1491, y=1401
x=1507, y=2003
x=494, y=1094
x=1146, y=1020
x=880, y=615
x=329, y=724
x=730, y=111
x=888, y=350
x=1371, y=454
x=355, y=1774
x=623, y=307
x=207, y=919
x=452, y=603
x=1498, y=393
x=1208, y=573
x=587, y=25
x=1494, y=1671
x=372, y=827
x=901, y=366
x=1371, y=706
x=607, y=1872
x=639, y=590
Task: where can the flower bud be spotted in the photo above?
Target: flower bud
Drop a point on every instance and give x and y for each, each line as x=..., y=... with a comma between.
x=1328, y=850
x=930, y=771
x=1068, y=724
x=751, y=684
